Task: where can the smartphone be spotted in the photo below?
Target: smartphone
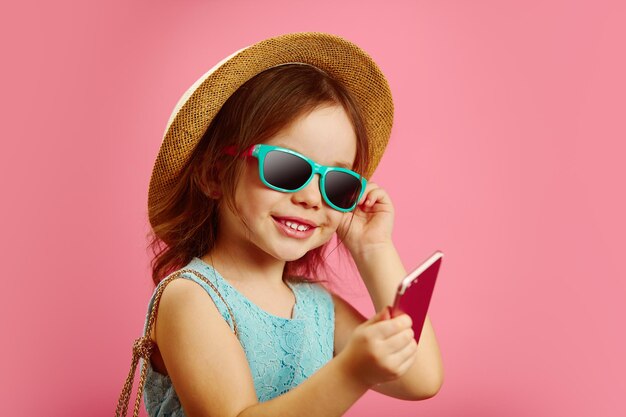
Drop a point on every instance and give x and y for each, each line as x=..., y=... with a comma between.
x=415, y=291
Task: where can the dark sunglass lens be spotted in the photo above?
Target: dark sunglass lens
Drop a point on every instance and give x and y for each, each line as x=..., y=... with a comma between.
x=342, y=189
x=285, y=170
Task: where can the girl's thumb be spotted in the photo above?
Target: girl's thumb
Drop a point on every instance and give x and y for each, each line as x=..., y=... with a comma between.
x=383, y=314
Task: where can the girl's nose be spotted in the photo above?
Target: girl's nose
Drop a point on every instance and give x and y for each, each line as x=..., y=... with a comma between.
x=310, y=196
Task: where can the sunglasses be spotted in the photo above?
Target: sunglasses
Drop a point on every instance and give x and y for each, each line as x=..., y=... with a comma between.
x=288, y=171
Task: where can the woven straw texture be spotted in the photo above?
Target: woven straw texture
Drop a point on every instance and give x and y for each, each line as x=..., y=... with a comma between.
x=338, y=57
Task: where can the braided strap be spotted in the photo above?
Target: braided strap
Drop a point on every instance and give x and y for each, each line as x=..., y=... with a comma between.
x=143, y=347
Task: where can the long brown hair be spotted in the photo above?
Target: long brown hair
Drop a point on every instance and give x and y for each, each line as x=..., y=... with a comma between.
x=186, y=222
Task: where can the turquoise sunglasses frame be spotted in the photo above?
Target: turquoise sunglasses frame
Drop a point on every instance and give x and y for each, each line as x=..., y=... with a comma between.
x=259, y=151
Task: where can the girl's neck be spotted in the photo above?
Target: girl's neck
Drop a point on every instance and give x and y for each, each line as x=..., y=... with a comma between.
x=246, y=266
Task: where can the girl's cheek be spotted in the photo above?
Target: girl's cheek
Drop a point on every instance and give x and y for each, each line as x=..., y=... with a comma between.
x=332, y=214
x=336, y=219
x=325, y=240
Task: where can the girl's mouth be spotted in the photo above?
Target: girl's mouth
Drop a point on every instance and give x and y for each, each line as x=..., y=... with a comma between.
x=293, y=228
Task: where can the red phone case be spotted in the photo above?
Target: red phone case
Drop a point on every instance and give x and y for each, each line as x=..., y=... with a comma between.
x=417, y=295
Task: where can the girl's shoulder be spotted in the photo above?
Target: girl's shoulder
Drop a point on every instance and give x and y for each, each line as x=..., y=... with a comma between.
x=199, y=280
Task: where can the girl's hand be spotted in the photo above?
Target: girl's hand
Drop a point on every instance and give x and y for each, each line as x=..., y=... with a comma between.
x=380, y=349
x=370, y=224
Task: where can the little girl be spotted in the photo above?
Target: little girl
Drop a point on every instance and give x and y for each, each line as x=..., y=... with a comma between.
x=265, y=158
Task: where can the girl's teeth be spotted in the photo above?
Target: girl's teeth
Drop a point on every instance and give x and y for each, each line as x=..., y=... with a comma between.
x=296, y=226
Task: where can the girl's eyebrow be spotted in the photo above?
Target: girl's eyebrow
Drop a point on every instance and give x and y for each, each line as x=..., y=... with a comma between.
x=343, y=165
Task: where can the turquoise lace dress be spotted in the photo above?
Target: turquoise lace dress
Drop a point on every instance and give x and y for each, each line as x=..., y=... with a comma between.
x=281, y=352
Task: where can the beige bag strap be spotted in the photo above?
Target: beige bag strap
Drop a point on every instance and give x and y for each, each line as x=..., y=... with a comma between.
x=144, y=346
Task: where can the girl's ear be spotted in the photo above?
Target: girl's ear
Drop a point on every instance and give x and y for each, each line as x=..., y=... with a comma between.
x=214, y=194
x=211, y=184
x=212, y=188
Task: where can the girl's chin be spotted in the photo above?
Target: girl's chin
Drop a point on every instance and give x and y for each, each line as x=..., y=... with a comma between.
x=289, y=254
x=290, y=257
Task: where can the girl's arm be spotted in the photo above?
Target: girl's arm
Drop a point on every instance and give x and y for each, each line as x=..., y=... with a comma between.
x=210, y=372
x=382, y=270
x=329, y=392
x=367, y=235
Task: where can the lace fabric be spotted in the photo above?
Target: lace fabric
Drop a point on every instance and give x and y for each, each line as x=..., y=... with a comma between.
x=281, y=352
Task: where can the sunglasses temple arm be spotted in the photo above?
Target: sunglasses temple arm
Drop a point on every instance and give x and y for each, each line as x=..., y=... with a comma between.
x=231, y=150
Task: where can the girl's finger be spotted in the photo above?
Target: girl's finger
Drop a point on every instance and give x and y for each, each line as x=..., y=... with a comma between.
x=375, y=196
x=405, y=353
x=371, y=197
x=407, y=363
x=391, y=327
x=399, y=340
x=368, y=189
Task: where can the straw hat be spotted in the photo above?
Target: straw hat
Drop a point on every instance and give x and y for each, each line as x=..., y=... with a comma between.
x=338, y=57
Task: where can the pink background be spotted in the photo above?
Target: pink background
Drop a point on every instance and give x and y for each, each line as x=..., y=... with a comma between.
x=507, y=154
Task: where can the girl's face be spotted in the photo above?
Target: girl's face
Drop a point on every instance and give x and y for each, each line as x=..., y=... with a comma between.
x=326, y=136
